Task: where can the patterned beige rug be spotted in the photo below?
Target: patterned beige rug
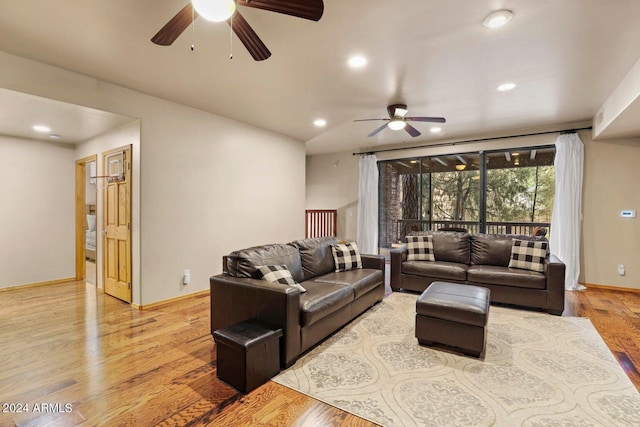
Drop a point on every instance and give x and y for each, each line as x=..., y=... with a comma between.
x=539, y=370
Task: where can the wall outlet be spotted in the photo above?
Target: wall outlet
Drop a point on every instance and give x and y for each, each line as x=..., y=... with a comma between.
x=621, y=269
x=186, y=277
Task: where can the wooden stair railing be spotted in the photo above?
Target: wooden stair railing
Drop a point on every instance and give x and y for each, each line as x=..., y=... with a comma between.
x=321, y=223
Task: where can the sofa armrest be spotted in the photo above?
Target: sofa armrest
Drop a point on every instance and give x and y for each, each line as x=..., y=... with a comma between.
x=554, y=269
x=235, y=299
x=397, y=257
x=375, y=262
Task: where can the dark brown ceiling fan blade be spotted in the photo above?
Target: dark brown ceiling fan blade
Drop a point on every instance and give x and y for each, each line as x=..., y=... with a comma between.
x=427, y=119
x=306, y=9
x=176, y=25
x=248, y=37
x=411, y=130
x=369, y=120
x=375, y=132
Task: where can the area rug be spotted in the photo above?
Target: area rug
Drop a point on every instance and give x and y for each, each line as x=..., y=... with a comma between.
x=538, y=370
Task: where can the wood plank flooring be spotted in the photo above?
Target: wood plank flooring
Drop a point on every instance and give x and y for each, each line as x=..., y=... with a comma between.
x=78, y=357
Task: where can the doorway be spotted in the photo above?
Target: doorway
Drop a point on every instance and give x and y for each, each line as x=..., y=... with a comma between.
x=86, y=220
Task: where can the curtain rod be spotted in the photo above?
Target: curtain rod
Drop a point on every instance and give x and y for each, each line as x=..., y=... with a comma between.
x=468, y=141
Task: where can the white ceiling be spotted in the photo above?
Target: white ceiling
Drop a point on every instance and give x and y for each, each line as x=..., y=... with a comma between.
x=73, y=124
x=565, y=56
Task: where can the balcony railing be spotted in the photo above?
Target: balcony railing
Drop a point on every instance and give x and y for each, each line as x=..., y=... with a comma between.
x=405, y=226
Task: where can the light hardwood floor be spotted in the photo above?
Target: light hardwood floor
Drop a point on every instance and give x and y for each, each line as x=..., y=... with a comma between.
x=88, y=359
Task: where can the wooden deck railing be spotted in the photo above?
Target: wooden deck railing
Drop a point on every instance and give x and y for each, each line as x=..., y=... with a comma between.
x=405, y=226
x=321, y=223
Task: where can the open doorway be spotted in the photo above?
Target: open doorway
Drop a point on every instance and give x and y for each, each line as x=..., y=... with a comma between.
x=86, y=220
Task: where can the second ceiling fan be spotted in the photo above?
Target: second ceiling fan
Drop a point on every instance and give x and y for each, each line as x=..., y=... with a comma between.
x=225, y=10
x=398, y=120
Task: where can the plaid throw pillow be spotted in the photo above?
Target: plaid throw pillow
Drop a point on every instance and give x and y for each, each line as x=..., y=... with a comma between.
x=279, y=274
x=346, y=257
x=528, y=255
x=420, y=248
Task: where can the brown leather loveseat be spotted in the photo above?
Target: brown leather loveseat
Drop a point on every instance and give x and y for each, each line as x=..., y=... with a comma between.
x=332, y=299
x=482, y=260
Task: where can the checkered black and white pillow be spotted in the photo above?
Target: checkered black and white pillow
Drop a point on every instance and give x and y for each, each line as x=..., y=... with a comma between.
x=420, y=248
x=346, y=257
x=279, y=274
x=528, y=254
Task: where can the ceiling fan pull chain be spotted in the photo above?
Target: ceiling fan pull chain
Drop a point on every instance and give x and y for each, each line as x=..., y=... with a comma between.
x=193, y=29
x=231, y=38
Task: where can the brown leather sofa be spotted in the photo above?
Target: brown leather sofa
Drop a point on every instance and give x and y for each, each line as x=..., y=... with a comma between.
x=331, y=299
x=482, y=260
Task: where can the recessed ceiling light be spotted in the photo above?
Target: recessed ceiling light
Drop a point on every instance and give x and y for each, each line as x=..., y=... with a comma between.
x=42, y=128
x=319, y=122
x=506, y=86
x=357, y=61
x=435, y=129
x=54, y=136
x=497, y=18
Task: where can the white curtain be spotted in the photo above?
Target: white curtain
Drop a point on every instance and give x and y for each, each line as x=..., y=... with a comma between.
x=566, y=219
x=367, y=238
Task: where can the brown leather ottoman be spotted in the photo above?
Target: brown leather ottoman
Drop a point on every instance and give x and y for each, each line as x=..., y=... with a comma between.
x=454, y=315
x=248, y=354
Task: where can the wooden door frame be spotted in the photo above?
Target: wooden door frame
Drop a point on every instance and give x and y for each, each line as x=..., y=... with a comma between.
x=81, y=177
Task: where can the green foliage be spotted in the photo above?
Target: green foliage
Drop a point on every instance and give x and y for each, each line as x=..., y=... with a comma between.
x=520, y=195
x=513, y=194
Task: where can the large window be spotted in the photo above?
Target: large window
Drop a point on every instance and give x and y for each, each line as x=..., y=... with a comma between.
x=493, y=192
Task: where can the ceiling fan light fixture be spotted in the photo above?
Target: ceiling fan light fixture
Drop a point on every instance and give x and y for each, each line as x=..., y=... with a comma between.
x=497, y=18
x=214, y=10
x=397, y=124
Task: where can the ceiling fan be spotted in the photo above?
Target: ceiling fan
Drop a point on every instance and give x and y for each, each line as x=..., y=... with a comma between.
x=398, y=120
x=225, y=10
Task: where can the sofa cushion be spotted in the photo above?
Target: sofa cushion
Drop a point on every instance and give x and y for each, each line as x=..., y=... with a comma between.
x=495, y=249
x=316, y=255
x=278, y=274
x=346, y=257
x=361, y=280
x=322, y=299
x=437, y=269
x=494, y=275
x=420, y=248
x=449, y=246
x=245, y=262
x=528, y=255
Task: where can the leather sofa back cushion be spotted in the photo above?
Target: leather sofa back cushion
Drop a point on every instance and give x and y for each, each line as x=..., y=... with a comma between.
x=245, y=262
x=494, y=249
x=316, y=256
x=450, y=246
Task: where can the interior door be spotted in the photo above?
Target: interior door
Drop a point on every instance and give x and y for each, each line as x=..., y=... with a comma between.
x=117, y=224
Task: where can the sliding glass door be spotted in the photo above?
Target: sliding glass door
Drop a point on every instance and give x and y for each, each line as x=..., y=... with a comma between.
x=506, y=191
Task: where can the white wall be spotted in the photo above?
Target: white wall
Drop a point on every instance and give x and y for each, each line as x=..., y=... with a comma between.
x=611, y=177
x=37, y=211
x=208, y=185
x=332, y=183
